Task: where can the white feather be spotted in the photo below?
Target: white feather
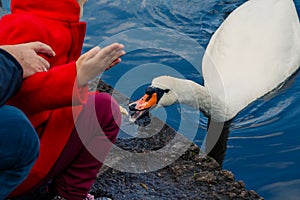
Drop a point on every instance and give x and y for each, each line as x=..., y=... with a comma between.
x=254, y=50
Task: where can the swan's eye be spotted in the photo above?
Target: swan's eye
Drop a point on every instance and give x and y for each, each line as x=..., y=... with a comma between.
x=148, y=97
x=150, y=90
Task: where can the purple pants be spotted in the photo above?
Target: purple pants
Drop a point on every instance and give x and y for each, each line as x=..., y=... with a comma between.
x=95, y=132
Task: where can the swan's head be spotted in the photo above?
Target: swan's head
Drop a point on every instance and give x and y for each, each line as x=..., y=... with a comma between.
x=159, y=94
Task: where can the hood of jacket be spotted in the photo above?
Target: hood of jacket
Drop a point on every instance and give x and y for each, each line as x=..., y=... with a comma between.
x=63, y=10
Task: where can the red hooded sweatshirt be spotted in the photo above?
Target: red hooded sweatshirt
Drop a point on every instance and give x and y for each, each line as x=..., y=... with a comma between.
x=47, y=97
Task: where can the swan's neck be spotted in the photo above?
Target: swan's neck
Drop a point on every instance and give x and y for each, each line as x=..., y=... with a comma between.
x=199, y=97
x=194, y=95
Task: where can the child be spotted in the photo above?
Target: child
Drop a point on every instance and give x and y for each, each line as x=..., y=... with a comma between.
x=57, y=99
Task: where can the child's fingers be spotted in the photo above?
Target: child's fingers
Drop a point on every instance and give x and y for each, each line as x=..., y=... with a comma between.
x=91, y=53
x=110, y=51
x=115, y=62
x=108, y=54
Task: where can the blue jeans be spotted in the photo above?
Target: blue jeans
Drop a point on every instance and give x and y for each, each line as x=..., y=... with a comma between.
x=19, y=148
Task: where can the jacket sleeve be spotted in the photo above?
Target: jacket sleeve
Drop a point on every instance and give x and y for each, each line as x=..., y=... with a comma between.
x=50, y=90
x=11, y=74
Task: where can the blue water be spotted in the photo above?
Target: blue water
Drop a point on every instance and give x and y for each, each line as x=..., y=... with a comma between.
x=264, y=143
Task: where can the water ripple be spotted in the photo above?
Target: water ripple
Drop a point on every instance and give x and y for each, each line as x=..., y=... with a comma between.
x=257, y=136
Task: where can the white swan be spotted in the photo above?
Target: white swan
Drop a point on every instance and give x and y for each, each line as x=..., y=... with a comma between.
x=254, y=50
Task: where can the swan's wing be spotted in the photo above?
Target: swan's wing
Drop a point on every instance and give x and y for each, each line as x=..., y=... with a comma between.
x=255, y=49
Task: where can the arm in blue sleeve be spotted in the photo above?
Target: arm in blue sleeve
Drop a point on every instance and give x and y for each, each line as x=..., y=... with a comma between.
x=11, y=74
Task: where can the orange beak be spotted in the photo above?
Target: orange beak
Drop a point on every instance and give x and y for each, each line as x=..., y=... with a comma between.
x=146, y=101
x=141, y=107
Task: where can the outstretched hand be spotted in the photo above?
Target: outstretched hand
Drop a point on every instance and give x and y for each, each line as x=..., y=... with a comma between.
x=27, y=55
x=96, y=61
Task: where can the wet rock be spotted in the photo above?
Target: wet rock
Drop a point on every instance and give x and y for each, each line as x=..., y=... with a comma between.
x=192, y=175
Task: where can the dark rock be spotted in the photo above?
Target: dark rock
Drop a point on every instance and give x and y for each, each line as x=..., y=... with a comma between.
x=192, y=175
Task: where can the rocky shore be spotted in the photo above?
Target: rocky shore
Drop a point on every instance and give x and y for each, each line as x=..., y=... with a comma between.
x=192, y=176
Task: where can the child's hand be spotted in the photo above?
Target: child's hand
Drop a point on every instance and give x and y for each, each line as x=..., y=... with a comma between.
x=95, y=61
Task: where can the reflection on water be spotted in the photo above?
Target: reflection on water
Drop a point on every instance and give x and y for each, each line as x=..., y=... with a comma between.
x=282, y=190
